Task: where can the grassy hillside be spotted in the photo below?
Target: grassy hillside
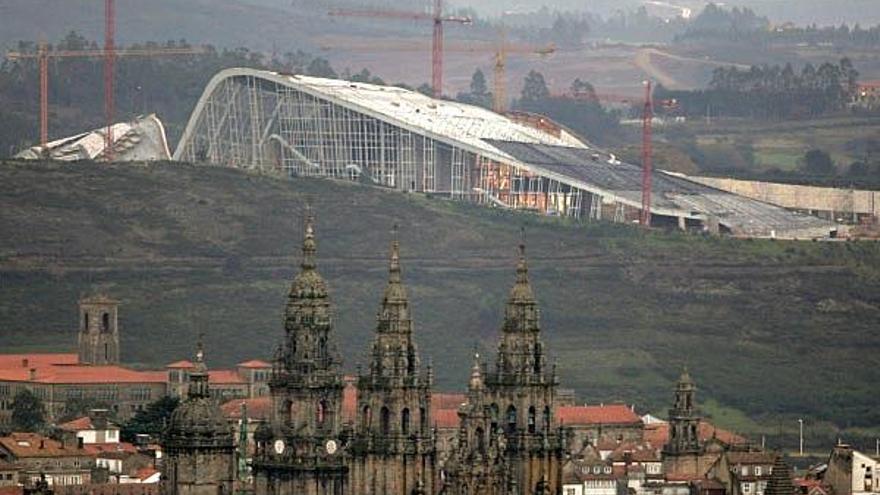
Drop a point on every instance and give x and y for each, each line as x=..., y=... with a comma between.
x=772, y=331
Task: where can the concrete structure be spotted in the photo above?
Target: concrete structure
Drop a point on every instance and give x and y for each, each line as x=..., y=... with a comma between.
x=140, y=140
x=851, y=472
x=847, y=205
x=394, y=137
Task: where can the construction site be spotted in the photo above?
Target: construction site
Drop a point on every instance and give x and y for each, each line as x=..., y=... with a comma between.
x=398, y=138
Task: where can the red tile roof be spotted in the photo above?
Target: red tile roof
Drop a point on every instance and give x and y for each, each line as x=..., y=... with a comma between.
x=83, y=374
x=145, y=473
x=257, y=408
x=446, y=418
x=595, y=415
x=11, y=490
x=658, y=433
x=254, y=363
x=23, y=445
x=442, y=400
x=98, y=449
x=83, y=423
x=27, y=361
x=183, y=364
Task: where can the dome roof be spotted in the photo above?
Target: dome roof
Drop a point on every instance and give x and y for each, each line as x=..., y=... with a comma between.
x=199, y=416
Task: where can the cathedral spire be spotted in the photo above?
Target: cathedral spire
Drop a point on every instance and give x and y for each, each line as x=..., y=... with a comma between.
x=476, y=382
x=395, y=293
x=198, y=377
x=522, y=289
x=309, y=247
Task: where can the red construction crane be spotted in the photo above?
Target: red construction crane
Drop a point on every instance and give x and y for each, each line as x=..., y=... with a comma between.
x=43, y=55
x=437, y=18
x=647, y=155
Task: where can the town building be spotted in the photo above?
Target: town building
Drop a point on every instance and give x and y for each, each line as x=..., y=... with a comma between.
x=39, y=457
x=851, y=472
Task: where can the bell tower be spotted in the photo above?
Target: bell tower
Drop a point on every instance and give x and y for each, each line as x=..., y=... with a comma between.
x=684, y=424
x=98, y=330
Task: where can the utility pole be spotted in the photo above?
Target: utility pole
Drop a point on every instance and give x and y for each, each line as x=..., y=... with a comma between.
x=801, y=428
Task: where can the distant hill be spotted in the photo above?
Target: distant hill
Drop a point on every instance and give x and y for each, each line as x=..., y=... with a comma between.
x=775, y=330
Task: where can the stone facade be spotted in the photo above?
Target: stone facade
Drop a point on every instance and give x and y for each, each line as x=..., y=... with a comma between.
x=198, y=442
x=98, y=331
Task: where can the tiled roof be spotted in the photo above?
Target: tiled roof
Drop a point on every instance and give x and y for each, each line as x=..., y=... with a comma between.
x=257, y=408
x=146, y=473
x=84, y=423
x=595, y=415
x=440, y=400
x=83, y=374
x=27, y=361
x=446, y=418
x=11, y=490
x=254, y=363
x=183, y=364
x=658, y=434
x=124, y=449
x=24, y=445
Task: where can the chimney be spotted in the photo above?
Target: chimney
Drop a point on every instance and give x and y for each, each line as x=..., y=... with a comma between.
x=24, y=363
x=32, y=374
x=42, y=443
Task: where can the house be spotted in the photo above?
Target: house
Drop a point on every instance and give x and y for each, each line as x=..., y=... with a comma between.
x=851, y=472
x=94, y=428
x=61, y=463
x=8, y=474
x=749, y=471
x=593, y=423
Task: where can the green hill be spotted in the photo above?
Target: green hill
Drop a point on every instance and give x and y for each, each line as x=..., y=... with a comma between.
x=774, y=330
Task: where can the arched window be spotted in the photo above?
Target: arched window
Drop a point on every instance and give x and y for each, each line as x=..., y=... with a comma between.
x=511, y=418
x=404, y=421
x=481, y=442
x=366, y=417
x=687, y=401
x=322, y=412
x=105, y=322
x=531, y=419
x=287, y=411
x=86, y=321
x=493, y=418
x=385, y=420
x=106, y=351
x=537, y=359
x=546, y=417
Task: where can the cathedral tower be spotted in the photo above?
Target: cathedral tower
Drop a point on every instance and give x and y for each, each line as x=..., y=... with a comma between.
x=520, y=395
x=477, y=463
x=302, y=454
x=98, y=330
x=682, y=452
x=393, y=450
x=198, y=442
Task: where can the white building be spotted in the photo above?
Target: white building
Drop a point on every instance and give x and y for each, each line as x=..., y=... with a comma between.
x=851, y=472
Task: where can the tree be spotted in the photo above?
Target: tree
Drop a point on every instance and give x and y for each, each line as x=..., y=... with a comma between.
x=534, y=87
x=151, y=420
x=583, y=89
x=818, y=162
x=28, y=412
x=478, y=84
x=320, y=67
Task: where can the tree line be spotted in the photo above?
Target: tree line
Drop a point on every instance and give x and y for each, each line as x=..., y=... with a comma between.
x=768, y=92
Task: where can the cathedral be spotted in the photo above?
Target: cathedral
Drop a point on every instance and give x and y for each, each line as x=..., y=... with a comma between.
x=509, y=441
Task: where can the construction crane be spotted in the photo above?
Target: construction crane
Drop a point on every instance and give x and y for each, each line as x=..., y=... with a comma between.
x=437, y=18
x=647, y=155
x=43, y=54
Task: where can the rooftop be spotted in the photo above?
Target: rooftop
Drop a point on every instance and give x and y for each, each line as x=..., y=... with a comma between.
x=23, y=445
x=595, y=415
x=83, y=423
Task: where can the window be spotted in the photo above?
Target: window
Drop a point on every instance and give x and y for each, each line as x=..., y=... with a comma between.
x=105, y=322
x=385, y=420
x=366, y=417
x=757, y=470
x=531, y=419
x=747, y=488
x=86, y=321
x=511, y=418
x=423, y=420
x=404, y=421
x=745, y=470
x=322, y=412
x=570, y=491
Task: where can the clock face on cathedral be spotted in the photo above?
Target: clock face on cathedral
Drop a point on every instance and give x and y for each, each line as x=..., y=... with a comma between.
x=279, y=446
x=331, y=446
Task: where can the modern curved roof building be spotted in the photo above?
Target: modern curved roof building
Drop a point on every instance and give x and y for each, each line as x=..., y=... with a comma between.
x=399, y=138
